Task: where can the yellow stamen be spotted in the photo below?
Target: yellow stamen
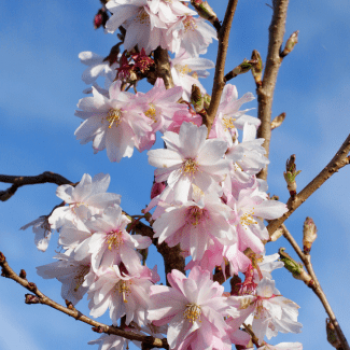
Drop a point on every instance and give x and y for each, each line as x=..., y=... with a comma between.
x=247, y=219
x=142, y=17
x=114, y=116
x=151, y=112
x=190, y=166
x=228, y=123
x=183, y=69
x=124, y=289
x=192, y=312
x=115, y=239
x=190, y=24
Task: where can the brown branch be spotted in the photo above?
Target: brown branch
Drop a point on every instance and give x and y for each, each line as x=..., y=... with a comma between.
x=19, y=181
x=219, y=75
x=39, y=298
x=338, y=161
x=173, y=258
x=161, y=59
x=265, y=89
x=306, y=259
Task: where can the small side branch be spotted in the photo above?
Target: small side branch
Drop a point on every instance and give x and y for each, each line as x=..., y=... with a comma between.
x=339, y=161
x=265, y=90
x=161, y=58
x=19, y=181
x=306, y=259
x=219, y=77
x=39, y=298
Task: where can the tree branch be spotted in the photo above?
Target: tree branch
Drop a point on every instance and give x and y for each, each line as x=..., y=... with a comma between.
x=161, y=59
x=265, y=89
x=338, y=161
x=306, y=259
x=43, y=299
x=19, y=181
x=219, y=81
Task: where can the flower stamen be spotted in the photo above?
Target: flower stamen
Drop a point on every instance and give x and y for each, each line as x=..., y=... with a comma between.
x=192, y=312
x=114, y=116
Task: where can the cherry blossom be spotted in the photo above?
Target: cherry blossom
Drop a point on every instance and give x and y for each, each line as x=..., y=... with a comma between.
x=193, y=304
x=88, y=197
x=114, y=123
x=190, y=159
x=70, y=273
x=272, y=313
x=122, y=292
x=42, y=230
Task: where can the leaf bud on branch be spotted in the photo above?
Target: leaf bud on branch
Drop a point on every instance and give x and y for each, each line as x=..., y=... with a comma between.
x=242, y=68
x=205, y=11
x=291, y=42
x=278, y=121
x=295, y=268
x=309, y=234
x=332, y=335
x=257, y=67
x=290, y=174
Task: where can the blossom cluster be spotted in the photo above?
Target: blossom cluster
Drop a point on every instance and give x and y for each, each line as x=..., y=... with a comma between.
x=206, y=197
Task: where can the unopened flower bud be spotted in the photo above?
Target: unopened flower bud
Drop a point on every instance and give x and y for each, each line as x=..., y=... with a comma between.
x=332, y=335
x=207, y=99
x=197, y=98
x=2, y=258
x=32, y=286
x=157, y=189
x=23, y=274
x=205, y=11
x=69, y=305
x=257, y=66
x=101, y=18
x=290, y=174
x=278, y=121
x=310, y=234
x=291, y=42
x=295, y=268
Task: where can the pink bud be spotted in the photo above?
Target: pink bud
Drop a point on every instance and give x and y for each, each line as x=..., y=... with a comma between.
x=157, y=189
x=98, y=21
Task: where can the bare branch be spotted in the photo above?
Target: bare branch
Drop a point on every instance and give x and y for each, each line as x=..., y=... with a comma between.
x=338, y=161
x=39, y=298
x=219, y=81
x=265, y=90
x=306, y=259
x=19, y=181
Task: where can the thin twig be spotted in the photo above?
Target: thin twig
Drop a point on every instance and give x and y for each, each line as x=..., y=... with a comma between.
x=103, y=328
x=219, y=82
x=19, y=181
x=306, y=259
x=265, y=90
x=338, y=161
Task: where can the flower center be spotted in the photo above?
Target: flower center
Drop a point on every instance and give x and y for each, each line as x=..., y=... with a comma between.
x=183, y=69
x=143, y=17
x=115, y=239
x=190, y=166
x=151, y=112
x=195, y=215
x=247, y=218
x=124, y=289
x=190, y=24
x=114, y=116
x=192, y=312
x=228, y=123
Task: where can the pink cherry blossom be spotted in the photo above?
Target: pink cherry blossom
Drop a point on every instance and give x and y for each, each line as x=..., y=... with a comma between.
x=193, y=305
x=123, y=294
x=115, y=123
x=190, y=159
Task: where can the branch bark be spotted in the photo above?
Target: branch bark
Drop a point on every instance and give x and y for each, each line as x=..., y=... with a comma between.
x=19, y=181
x=103, y=328
x=161, y=59
x=306, y=259
x=265, y=90
x=219, y=75
x=338, y=161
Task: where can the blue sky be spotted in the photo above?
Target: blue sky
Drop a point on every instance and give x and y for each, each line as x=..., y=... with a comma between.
x=41, y=85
